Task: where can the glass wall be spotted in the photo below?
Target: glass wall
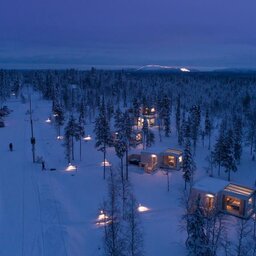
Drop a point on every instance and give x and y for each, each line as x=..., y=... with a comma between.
x=233, y=205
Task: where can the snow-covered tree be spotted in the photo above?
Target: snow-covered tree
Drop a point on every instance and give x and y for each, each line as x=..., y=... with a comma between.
x=197, y=242
x=166, y=113
x=133, y=234
x=217, y=153
x=195, y=117
x=59, y=117
x=182, y=130
x=228, y=158
x=72, y=131
x=114, y=243
x=238, y=134
x=188, y=164
x=102, y=133
x=208, y=128
x=251, y=129
x=177, y=116
x=145, y=131
x=135, y=109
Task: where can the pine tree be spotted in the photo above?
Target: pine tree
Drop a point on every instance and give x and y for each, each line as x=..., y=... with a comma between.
x=4, y=88
x=187, y=129
x=197, y=242
x=217, y=154
x=195, y=115
x=251, y=129
x=81, y=123
x=114, y=243
x=120, y=148
x=72, y=131
x=127, y=133
x=237, y=139
x=208, y=128
x=123, y=234
x=166, y=112
x=109, y=110
x=133, y=234
x=228, y=159
x=102, y=134
x=150, y=139
x=177, y=116
x=188, y=164
x=181, y=133
x=59, y=117
x=118, y=119
x=135, y=110
x=145, y=131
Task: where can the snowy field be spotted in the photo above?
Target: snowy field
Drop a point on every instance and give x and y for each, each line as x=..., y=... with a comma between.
x=53, y=213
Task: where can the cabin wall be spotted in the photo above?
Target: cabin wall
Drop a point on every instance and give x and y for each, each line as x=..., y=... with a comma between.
x=149, y=162
x=163, y=159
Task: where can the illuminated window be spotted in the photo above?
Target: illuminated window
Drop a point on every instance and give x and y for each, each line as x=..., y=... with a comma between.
x=138, y=137
x=180, y=159
x=209, y=201
x=140, y=121
x=170, y=161
x=154, y=159
x=233, y=205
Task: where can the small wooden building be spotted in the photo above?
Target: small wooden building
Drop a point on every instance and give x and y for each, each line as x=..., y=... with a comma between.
x=238, y=200
x=136, y=137
x=210, y=190
x=150, y=119
x=147, y=113
x=151, y=159
x=227, y=197
x=172, y=159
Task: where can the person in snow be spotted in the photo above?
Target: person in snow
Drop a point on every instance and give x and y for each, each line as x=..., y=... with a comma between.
x=10, y=146
x=43, y=165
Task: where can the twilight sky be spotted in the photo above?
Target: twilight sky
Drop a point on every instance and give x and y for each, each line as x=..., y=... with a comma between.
x=83, y=33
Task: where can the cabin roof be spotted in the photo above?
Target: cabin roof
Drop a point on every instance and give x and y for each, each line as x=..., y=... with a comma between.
x=176, y=152
x=152, y=151
x=210, y=185
x=238, y=189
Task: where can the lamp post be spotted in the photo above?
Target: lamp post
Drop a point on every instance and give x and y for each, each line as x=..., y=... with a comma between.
x=32, y=140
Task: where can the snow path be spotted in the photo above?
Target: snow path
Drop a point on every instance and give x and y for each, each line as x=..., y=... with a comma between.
x=30, y=218
x=20, y=209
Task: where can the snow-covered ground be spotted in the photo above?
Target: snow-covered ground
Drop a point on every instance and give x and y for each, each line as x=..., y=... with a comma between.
x=53, y=213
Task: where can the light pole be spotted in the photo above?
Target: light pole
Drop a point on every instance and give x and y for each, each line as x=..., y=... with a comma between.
x=32, y=140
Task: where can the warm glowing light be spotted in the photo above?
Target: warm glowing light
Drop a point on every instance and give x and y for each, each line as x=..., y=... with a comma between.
x=48, y=120
x=87, y=138
x=153, y=156
x=103, y=219
x=142, y=208
x=60, y=137
x=71, y=167
x=106, y=163
x=153, y=110
x=184, y=70
x=138, y=137
x=180, y=159
x=209, y=195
